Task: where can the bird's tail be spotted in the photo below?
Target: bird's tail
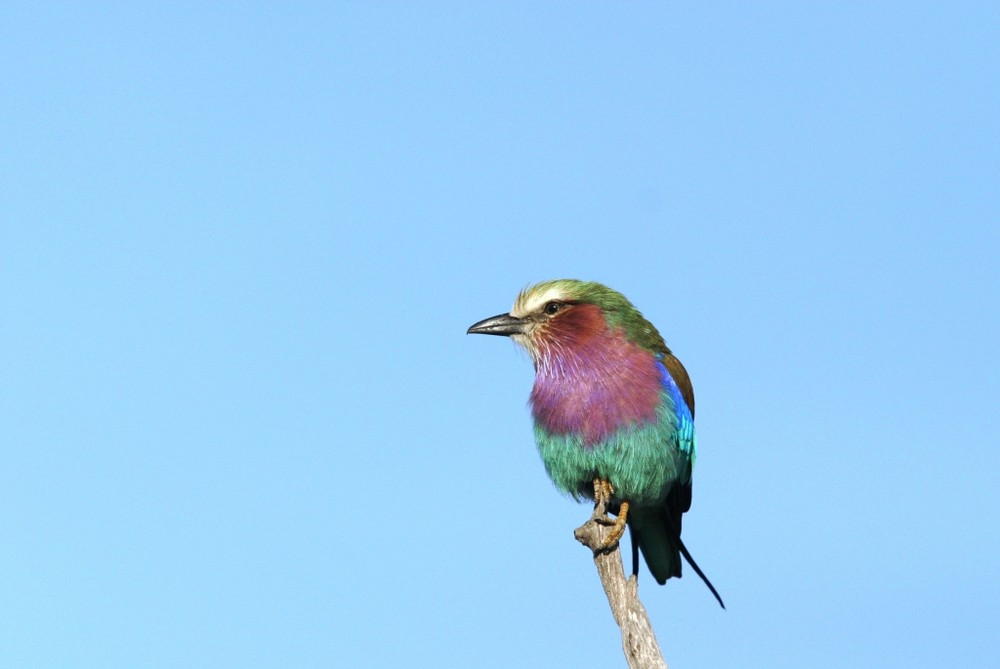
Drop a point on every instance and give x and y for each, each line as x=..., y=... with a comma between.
x=655, y=533
x=694, y=565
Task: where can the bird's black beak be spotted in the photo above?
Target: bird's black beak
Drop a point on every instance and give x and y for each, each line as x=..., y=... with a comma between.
x=504, y=325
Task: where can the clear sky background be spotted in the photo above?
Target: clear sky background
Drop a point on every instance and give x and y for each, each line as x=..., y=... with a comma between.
x=241, y=422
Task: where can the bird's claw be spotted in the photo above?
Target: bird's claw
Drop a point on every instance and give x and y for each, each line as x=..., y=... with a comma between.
x=617, y=526
x=602, y=495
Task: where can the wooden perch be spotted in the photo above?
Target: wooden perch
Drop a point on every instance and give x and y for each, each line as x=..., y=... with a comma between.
x=638, y=640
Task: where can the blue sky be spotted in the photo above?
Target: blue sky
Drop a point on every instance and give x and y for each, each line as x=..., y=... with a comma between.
x=242, y=425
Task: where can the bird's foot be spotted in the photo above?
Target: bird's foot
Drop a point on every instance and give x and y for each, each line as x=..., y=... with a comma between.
x=602, y=497
x=617, y=526
x=603, y=490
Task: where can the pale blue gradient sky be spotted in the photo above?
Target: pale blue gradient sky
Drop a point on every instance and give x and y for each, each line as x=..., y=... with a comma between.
x=242, y=425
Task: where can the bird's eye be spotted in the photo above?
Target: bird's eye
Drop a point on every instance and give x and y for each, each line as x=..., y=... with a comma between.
x=552, y=308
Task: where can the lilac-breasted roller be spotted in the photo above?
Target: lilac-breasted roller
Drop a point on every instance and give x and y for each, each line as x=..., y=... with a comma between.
x=613, y=409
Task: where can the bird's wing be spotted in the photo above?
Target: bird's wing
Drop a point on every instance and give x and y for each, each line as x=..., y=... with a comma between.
x=678, y=384
x=657, y=530
x=681, y=378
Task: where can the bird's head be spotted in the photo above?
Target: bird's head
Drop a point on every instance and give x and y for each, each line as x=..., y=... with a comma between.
x=564, y=314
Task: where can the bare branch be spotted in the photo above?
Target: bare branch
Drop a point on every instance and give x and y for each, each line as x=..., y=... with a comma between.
x=638, y=640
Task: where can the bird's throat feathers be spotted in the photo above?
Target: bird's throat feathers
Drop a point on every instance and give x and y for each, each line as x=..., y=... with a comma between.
x=590, y=380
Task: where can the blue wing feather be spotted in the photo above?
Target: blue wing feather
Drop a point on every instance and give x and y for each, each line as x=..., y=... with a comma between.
x=686, y=441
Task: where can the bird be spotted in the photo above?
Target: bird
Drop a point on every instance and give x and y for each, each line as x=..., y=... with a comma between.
x=613, y=412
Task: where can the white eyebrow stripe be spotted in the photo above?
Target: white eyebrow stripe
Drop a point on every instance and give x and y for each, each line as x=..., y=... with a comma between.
x=530, y=301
